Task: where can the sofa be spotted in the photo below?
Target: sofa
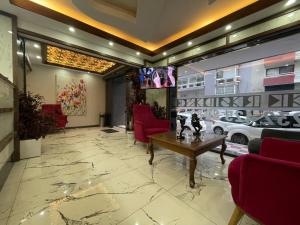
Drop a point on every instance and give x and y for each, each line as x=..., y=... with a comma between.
x=254, y=145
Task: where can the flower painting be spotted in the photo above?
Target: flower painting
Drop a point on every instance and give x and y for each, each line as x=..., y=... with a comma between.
x=71, y=94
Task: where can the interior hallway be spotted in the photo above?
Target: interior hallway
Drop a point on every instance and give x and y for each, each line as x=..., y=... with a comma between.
x=86, y=176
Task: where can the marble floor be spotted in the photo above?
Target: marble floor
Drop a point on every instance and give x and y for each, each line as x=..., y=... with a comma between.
x=88, y=177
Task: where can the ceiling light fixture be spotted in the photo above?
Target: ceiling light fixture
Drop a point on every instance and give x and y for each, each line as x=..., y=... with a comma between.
x=10, y=31
x=137, y=53
x=164, y=53
x=189, y=43
x=36, y=45
x=19, y=53
x=75, y=60
x=290, y=2
x=38, y=57
x=111, y=43
x=72, y=29
x=228, y=27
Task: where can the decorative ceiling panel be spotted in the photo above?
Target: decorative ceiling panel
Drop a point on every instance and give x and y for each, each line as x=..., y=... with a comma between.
x=67, y=58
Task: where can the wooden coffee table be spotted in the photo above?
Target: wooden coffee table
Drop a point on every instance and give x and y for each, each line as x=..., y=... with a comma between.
x=188, y=147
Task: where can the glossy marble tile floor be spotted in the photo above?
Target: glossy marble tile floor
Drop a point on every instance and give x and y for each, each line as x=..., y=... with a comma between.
x=88, y=177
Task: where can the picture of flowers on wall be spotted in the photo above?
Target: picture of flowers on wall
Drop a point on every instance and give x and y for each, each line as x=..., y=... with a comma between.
x=71, y=94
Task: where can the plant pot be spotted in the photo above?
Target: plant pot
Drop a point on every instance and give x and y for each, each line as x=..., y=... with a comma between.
x=30, y=148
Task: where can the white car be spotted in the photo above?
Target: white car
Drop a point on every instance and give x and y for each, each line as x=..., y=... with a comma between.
x=220, y=126
x=242, y=133
x=188, y=118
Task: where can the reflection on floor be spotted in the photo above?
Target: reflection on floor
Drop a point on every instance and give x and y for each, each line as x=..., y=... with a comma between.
x=87, y=177
x=235, y=149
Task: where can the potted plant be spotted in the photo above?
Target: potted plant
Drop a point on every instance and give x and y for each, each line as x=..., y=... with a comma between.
x=33, y=125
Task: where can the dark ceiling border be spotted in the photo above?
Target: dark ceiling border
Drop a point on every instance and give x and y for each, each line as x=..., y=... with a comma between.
x=44, y=11
x=44, y=39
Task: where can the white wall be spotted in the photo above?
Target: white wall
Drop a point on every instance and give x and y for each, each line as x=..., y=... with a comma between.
x=6, y=60
x=6, y=93
x=42, y=81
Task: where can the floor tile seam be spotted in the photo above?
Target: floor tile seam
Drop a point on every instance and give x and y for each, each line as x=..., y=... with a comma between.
x=13, y=204
x=190, y=206
x=142, y=207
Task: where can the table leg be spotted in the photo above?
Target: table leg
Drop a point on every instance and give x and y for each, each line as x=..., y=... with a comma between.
x=224, y=146
x=193, y=165
x=151, y=152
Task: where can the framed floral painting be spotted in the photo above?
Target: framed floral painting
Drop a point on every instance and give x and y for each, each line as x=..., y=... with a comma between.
x=71, y=94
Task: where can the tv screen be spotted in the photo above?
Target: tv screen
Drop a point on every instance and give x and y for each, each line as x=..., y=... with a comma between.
x=161, y=77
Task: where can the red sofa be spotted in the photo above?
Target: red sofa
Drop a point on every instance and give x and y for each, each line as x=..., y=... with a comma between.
x=266, y=186
x=55, y=111
x=145, y=123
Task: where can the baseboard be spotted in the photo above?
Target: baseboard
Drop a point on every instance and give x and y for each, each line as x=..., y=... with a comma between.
x=4, y=172
x=97, y=125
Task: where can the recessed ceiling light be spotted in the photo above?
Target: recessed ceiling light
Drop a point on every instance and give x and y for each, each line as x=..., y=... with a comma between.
x=164, y=53
x=189, y=43
x=71, y=29
x=111, y=43
x=137, y=53
x=228, y=27
x=36, y=45
x=290, y=2
x=38, y=57
x=10, y=31
x=19, y=53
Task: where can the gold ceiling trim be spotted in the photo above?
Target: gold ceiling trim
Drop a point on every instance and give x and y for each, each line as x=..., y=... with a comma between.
x=71, y=59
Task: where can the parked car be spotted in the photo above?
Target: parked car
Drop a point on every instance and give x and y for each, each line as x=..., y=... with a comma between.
x=188, y=118
x=220, y=126
x=243, y=133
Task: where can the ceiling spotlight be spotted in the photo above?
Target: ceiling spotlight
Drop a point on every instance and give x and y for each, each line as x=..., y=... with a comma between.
x=228, y=27
x=36, y=45
x=19, y=53
x=111, y=43
x=10, y=31
x=72, y=29
x=38, y=57
x=164, y=53
x=137, y=53
x=290, y=2
x=189, y=43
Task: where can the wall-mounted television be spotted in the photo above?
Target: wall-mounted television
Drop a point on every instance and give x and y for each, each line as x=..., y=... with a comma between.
x=160, y=77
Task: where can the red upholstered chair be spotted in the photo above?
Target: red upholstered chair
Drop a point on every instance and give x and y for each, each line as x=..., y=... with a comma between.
x=145, y=123
x=55, y=111
x=266, y=186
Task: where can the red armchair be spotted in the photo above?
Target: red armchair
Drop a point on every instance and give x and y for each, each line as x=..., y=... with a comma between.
x=266, y=186
x=55, y=111
x=145, y=123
